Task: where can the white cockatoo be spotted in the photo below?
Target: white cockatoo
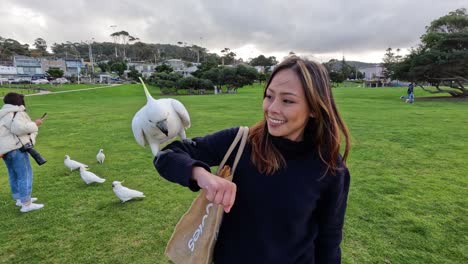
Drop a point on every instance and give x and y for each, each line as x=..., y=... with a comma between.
x=90, y=177
x=100, y=156
x=124, y=193
x=159, y=121
x=73, y=164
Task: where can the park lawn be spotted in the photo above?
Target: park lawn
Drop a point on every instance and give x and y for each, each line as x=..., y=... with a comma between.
x=407, y=202
x=4, y=89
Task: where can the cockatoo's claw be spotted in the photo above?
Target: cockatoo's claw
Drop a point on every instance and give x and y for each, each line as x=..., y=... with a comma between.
x=189, y=141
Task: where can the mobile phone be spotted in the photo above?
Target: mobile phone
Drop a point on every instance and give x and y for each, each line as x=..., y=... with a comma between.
x=44, y=115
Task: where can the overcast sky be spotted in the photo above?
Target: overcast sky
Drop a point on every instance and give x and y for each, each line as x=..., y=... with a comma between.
x=321, y=29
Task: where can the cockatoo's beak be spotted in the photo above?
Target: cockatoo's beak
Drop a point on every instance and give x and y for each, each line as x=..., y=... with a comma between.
x=162, y=125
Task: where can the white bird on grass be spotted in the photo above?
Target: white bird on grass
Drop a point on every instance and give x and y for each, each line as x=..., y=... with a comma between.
x=73, y=164
x=89, y=177
x=100, y=156
x=124, y=193
x=159, y=121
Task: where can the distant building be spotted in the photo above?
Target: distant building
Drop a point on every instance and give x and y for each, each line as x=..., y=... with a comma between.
x=145, y=69
x=28, y=67
x=47, y=64
x=189, y=70
x=177, y=65
x=263, y=69
x=180, y=66
x=73, y=67
x=8, y=72
x=373, y=76
x=372, y=73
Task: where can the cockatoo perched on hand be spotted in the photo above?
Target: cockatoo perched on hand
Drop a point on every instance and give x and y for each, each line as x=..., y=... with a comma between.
x=124, y=193
x=100, y=156
x=89, y=177
x=159, y=121
x=73, y=164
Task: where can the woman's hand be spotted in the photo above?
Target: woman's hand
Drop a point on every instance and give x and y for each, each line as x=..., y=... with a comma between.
x=218, y=190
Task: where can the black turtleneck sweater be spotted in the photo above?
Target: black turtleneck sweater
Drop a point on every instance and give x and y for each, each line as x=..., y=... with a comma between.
x=295, y=215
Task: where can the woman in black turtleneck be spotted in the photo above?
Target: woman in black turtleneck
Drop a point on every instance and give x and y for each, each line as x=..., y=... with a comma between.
x=287, y=201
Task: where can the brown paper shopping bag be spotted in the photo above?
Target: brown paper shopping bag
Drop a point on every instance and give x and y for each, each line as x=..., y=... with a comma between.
x=194, y=236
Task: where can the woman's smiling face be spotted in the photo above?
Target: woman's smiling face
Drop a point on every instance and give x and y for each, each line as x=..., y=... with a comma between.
x=285, y=106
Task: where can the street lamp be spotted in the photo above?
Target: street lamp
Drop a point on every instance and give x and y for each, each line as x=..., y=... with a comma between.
x=90, y=50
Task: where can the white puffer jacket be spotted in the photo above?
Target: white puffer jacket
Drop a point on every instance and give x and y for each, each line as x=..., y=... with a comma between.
x=21, y=126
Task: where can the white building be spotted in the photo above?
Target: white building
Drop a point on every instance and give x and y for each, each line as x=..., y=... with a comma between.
x=8, y=72
x=372, y=73
x=180, y=66
x=145, y=69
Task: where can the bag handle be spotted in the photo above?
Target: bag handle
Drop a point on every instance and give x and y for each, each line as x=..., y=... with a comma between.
x=242, y=135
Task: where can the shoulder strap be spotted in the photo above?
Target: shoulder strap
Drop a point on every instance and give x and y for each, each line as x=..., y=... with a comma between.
x=241, y=136
x=30, y=140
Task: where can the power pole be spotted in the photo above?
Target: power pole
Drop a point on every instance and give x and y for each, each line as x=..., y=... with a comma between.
x=90, y=49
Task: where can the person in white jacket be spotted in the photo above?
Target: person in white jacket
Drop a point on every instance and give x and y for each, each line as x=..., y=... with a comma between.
x=17, y=129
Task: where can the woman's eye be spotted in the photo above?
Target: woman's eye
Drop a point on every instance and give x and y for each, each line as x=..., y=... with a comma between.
x=268, y=96
x=288, y=101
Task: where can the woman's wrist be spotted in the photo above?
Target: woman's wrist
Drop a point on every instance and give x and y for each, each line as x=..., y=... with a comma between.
x=196, y=173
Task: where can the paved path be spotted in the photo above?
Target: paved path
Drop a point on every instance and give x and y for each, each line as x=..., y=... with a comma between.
x=70, y=91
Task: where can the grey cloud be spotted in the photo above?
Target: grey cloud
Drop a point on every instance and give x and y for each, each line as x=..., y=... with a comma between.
x=305, y=26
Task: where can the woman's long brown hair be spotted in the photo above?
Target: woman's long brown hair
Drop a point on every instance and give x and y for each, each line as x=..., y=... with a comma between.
x=328, y=129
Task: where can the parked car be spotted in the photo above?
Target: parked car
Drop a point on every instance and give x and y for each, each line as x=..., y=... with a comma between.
x=40, y=81
x=60, y=81
x=20, y=81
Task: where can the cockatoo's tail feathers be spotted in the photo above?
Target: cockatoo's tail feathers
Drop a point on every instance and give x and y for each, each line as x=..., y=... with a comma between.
x=148, y=95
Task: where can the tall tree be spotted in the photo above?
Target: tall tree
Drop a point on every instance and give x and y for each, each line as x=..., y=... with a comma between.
x=442, y=56
x=40, y=44
x=123, y=38
x=261, y=60
x=10, y=47
x=228, y=57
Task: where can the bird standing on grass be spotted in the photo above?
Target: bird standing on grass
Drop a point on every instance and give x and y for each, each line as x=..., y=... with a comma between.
x=89, y=177
x=100, y=156
x=159, y=121
x=124, y=193
x=73, y=164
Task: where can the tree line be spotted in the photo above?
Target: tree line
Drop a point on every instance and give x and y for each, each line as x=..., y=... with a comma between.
x=441, y=59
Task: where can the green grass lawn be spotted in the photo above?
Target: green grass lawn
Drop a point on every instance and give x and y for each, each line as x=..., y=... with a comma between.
x=22, y=90
x=407, y=202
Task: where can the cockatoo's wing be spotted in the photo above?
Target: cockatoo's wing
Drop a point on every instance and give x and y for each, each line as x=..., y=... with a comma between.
x=126, y=192
x=100, y=157
x=90, y=177
x=137, y=127
x=182, y=112
x=72, y=164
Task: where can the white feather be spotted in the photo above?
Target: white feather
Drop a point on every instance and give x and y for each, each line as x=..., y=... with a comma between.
x=124, y=193
x=100, y=156
x=89, y=177
x=73, y=164
x=144, y=122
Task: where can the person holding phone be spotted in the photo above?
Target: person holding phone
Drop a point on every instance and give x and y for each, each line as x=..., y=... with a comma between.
x=16, y=130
